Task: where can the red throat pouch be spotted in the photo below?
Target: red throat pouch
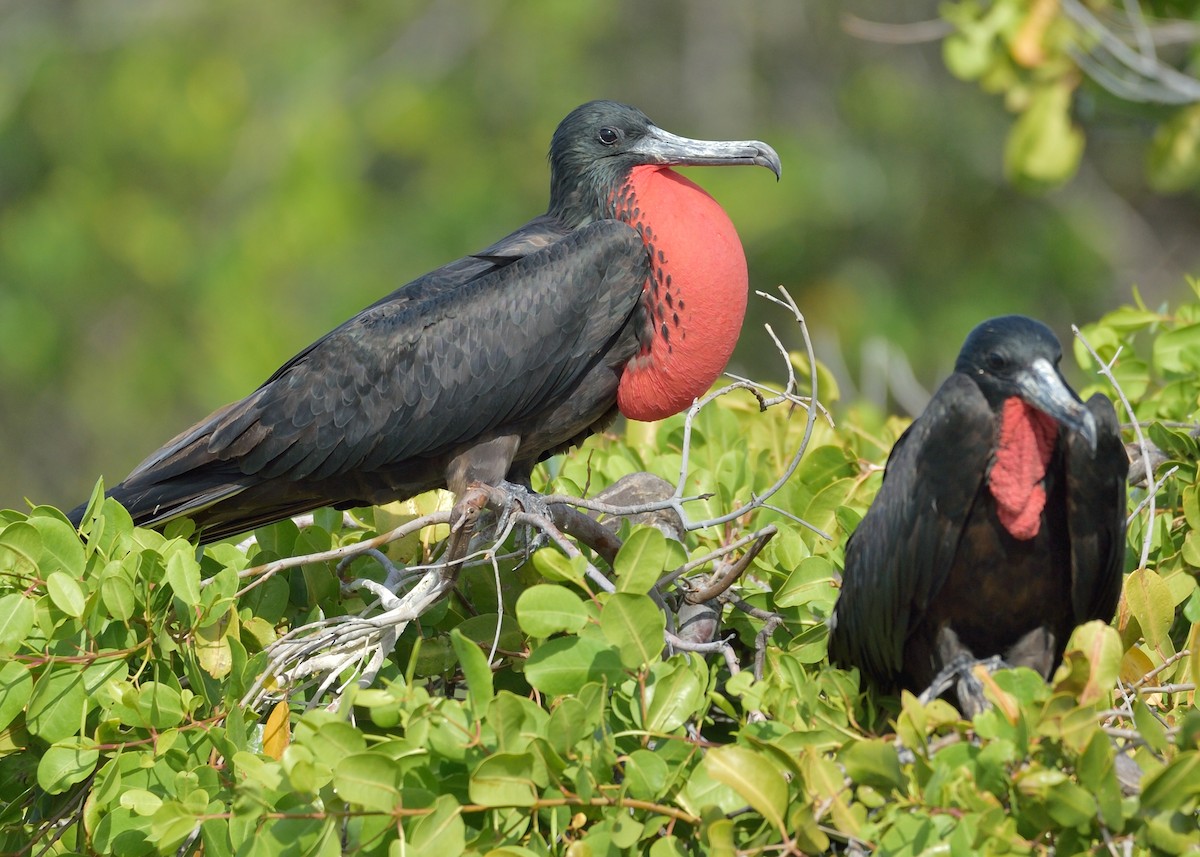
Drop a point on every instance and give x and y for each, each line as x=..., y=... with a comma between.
x=1027, y=439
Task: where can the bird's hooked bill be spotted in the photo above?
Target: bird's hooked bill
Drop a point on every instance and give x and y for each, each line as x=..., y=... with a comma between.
x=1042, y=386
x=663, y=147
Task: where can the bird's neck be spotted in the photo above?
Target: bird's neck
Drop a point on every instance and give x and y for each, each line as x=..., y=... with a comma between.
x=695, y=299
x=1017, y=478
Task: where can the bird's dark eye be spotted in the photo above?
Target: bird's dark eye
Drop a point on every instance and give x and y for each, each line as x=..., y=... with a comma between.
x=995, y=362
x=608, y=136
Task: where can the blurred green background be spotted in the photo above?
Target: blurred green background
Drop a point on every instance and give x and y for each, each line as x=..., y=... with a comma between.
x=190, y=192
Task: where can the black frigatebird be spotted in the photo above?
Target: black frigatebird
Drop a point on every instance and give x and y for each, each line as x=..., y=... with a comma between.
x=629, y=293
x=999, y=526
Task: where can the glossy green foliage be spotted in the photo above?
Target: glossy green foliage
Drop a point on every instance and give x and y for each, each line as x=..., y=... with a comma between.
x=545, y=717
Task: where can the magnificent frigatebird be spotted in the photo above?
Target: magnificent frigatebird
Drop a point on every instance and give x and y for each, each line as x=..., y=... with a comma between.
x=627, y=293
x=999, y=527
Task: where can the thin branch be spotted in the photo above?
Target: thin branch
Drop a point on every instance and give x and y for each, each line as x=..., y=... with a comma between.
x=914, y=33
x=700, y=561
x=264, y=572
x=1105, y=370
x=727, y=578
x=1129, y=73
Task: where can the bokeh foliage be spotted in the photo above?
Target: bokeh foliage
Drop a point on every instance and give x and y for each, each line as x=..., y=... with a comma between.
x=192, y=192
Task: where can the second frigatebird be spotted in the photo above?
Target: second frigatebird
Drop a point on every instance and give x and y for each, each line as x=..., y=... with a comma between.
x=999, y=527
x=629, y=293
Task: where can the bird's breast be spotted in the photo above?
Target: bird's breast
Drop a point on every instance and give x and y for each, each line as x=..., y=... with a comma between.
x=695, y=298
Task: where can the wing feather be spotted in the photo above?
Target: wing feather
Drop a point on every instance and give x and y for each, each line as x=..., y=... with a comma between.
x=478, y=344
x=898, y=558
x=1096, y=509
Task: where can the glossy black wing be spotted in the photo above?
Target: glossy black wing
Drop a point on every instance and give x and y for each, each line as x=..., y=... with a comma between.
x=899, y=556
x=432, y=366
x=1096, y=511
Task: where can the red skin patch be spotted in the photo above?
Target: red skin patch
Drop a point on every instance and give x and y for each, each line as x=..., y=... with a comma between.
x=1027, y=439
x=696, y=295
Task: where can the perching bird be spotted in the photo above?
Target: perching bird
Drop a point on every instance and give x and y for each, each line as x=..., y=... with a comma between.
x=999, y=527
x=629, y=293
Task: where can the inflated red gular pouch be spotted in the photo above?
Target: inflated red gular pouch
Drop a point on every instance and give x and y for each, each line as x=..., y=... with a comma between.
x=1026, y=443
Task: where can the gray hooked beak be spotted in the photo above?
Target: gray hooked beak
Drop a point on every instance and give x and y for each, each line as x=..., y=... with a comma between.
x=1042, y=387
x=657, y=146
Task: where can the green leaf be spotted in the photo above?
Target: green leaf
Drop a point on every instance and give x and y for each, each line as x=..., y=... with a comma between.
x=562, y=665
x=546, y=609
x=1153, y=732
x=753, y=777
x=673, y=695
x=20, y=547
x=183, y=574
x=66, y=593
x=668, y=846
x=153, y=705
x=827, y=464
x=16, y=620
x=1173, y=785
x=1178, y=350
x=442, y=832
x=635, y=625
x=63, y=765
x=171, y=824
x=811, y=583
x=487, y=629
x=369, y=780
x=646, y=775
x=1044, y=146
x=16, y=686
x=160, y=704
x=1150, y=602
x=476, y=670
x=516, y=721
x=506, y=779
x=1097, y=774
x=1070, y=805
x=639, y=563
x=873, y=762
x=57, y=705
x=61, y=549
x=141, y=801
x=569, y=722
x=552, y=564
x=117, y=593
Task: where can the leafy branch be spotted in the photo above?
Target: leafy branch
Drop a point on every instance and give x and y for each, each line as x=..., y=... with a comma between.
x=333, y=654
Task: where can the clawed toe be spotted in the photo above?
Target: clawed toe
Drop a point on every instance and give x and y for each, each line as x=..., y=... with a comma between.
x=960, y=673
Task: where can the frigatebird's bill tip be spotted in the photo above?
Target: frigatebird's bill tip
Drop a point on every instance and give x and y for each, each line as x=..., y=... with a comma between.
x=662, y=147
x=1042, y=386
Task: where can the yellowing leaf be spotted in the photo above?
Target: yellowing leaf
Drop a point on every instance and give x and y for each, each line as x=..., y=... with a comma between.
x=1134, y=664
x=1100, y=646
x=212, y=645
x=753, y=777
x=1149, y=601
x=276, y=735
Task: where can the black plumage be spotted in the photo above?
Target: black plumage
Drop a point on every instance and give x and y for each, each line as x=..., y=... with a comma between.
x=947, y=567
x=472, y=372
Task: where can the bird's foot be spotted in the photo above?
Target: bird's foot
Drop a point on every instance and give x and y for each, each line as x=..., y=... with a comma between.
x=960, y=673
x=489, y=509
x=522, y=498
x=515, y=498
x=464, y=519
